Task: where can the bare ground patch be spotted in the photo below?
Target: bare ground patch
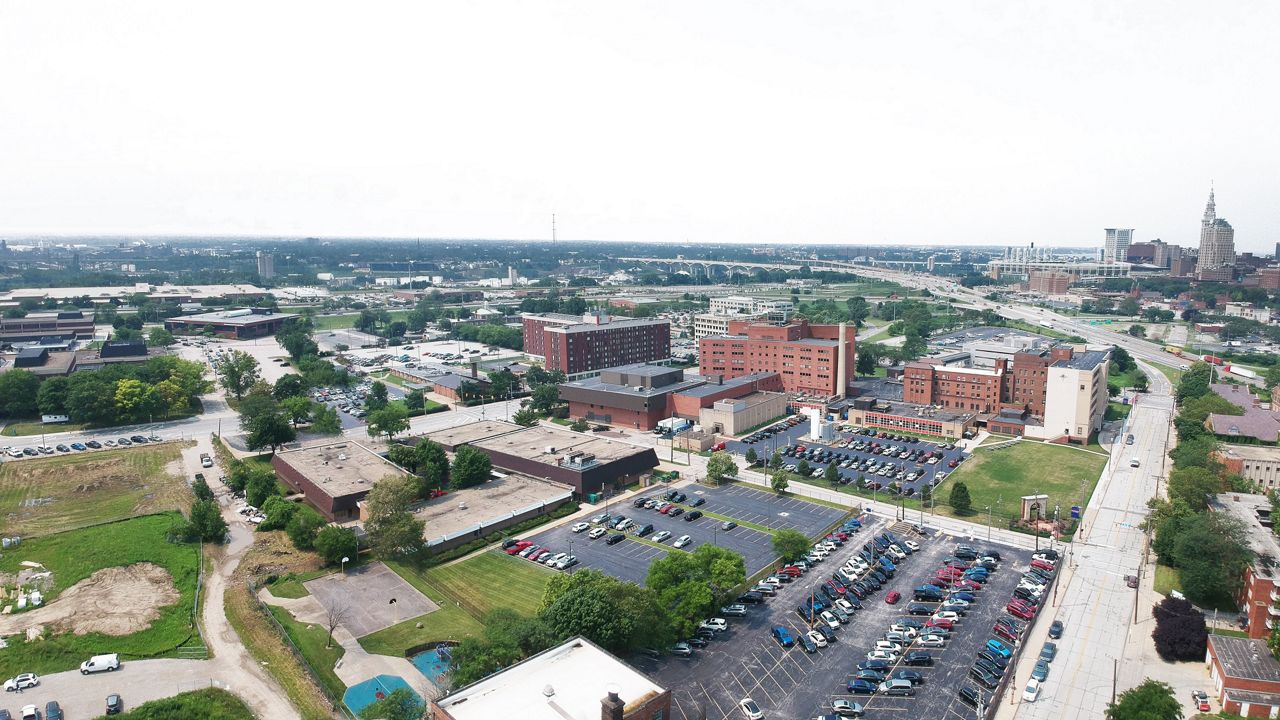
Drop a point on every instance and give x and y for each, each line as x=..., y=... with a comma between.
x=112, y=601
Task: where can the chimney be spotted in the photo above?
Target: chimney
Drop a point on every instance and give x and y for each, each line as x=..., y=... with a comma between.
x=611, y=706
x=842, y=365
x=473, y=370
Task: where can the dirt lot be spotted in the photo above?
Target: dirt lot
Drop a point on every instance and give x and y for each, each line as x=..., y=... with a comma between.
x=112, y=601
x=39, y=497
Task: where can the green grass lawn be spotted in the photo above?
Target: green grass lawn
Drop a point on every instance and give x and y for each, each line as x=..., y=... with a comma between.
x=492, y=580
x=21, y=429
x=57, y=493
x=450, y=622
x=1067, y=475
x=290, y=586
x=1167, y=579
x=311, y=639
x=73, y=556
x=207, y=704
x=1117, y=411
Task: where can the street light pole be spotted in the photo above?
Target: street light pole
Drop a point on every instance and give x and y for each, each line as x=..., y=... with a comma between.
x=988, y=523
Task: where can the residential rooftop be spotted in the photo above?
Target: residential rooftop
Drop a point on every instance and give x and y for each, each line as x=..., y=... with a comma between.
x=340, y=468
x=1245, y=658
x=1253, y=511
x=1256, y=422
x=566, y=682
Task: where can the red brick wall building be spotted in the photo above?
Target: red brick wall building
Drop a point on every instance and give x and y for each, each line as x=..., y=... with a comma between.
x=807, y=357
x=579, y=345
x=1020, y=384
x=1245, y=676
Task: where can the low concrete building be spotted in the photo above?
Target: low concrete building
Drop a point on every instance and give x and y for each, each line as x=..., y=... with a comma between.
x=1256, y=463
x=576, y=680
x=1245, y=676
x=36, y=325
x=475, y=512
x=736, y=416
x=912, y=418
x=236, y=324
x=334, y=477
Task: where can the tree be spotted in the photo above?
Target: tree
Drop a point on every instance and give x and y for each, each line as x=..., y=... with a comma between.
x=544, y=398
x=392, y=528
x=326, y=421
x=376, y=399
x=303, y=527
x=1128, y=306
x=525, y=416
x=172, y=398
x=206, y=522
x=1211, y=554
x=289, y=386
x=133, y=399
x=1180, y=632
x=775, y=462
x=720, y=466
x=959, y=499
x=866, y=360
x=260, y=485
x=1194, y=382
x=414, y=400
x=334, y=543
x=690, y=586
x=201, y=489
x=779, y=482
x=1137, y=331
x=470, y=467
x=432, y=465
x=388, y=420
x=1193, y=486
x=579, y=425
x=159, y=337
x=401, y=704
x=336, y=613
x=752, y=457
x=278, y=512
x=831, y=473
x=237, y=372
x=270, y=431
x=803, y=469
x=790, y=544
x=52, y=396
x=1272, y=376
x=298, y=408
x=1152, y=700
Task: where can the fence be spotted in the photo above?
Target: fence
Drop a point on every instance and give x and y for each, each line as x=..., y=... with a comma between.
x=261, y=607
x=1008, y=683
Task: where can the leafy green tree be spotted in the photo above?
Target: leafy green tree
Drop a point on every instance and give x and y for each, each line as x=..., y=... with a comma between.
x=289, y=386
x=334, y=543
x=1272, y=376
x=237, y=372
x=831, y=473
x=775, y=461
x=1211, y=555
x=470, y=467
x=278, y=511
x=1152, y=700
x=389, y=420
x=206, y=522
x=303, y=527
x=779, y=482
x=298, y=408
x=270, y=431
x=959, y=499
x=432, y=465
x=134, y=400
x=171, y=397
x=579, y=425
x=260, y=485
x=326, y=421
x=690, y=586
x=525, y=416
x=720, y=466
x=376, y=399
x=399, y=705
x=414, y=400
x=544, y=398
x=393, y=530
x=752, y=457
x=803, y=469
x=159, y=337
x=201, y=489
x=52, y=396
x=1193, y=485
x=790, y=544
x=1194, y=382
x=866, y=360
x=1137, y=331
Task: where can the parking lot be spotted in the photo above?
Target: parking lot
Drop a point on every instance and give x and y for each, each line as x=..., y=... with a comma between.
x=746, y=661
x=630, y=559
x=798, y=435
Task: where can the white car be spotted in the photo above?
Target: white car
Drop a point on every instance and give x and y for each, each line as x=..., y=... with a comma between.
x=750, y=709
x=682, y=541
x=29, y=712
x=716, y=624
x=946, y=615
x=553, y=559
x=882, y=655
x=888, y=646
x=845, y=605
x=597, y=533
x=831, y=620
x=817, y=638
x=957, y=601
x=565, y=562
x=846, y=708
x=21, y=682
x=931, y=641
x=580, y=527
x=660, y=536
x=904, y=629
x=1032, y=692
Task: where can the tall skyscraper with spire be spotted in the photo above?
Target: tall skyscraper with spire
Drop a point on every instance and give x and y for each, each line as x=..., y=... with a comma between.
x=1217, y=241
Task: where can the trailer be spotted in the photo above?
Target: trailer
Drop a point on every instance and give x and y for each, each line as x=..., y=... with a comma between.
x=1213, y=360
x=1242, y=372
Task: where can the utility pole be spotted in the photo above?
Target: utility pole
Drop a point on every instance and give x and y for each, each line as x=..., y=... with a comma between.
x=1115, y=672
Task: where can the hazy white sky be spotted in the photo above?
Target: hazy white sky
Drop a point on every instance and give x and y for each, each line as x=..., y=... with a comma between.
x=758, y=122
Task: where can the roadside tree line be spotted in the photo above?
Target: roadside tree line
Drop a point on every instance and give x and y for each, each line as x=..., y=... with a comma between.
x=118, y=394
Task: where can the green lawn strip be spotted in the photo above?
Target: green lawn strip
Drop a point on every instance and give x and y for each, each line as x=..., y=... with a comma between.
x=492, y=580
x=310, y=640
x=290, y=586
x=32, y=427
x=742, y=523
x=449, y=622
x=207, y=704
x=73, y=556
x=1118, y=411
x=1005, y=474
x=1228, y=633
x=1167, y=580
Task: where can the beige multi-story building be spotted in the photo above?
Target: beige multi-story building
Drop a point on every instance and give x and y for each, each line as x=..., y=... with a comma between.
x=1256, y=463
x=776, y=310
x=1117, y=244
x=1217, y=242
x=734, y=416
x=1050, y=283
x=1075, y=395
x=1246, y=310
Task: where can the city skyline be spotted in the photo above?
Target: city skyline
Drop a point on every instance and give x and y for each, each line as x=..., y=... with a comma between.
x=925, y=125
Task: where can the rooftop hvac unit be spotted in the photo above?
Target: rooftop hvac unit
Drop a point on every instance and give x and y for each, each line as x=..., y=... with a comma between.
x=550, y=450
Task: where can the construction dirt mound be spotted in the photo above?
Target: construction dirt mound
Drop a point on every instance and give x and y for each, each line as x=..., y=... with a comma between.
x=112, y=601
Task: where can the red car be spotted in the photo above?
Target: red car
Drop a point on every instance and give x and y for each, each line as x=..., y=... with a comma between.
x=952, y=464
x=893, y=597
x=791, y=570
x=518, y=547
x=1201, y=700
x=1042, y=565
x=666, y=509
x=940, y=623
x=968, y=585
x=1005, y=633
x=1018, y=611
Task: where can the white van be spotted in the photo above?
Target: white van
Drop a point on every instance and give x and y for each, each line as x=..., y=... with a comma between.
x=98, y=663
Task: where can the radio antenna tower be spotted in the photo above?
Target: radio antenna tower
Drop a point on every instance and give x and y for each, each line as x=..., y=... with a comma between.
x=553, y=228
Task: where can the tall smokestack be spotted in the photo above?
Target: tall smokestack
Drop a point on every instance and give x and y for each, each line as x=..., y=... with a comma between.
x=842, y=365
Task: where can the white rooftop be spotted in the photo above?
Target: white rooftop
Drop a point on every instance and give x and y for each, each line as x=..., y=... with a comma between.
x=566, y=682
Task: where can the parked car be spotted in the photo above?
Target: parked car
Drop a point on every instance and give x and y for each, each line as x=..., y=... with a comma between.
x=1032, y=691
x=615, y=539
x=1055, y=630
x=750, y=710
x=21, y=682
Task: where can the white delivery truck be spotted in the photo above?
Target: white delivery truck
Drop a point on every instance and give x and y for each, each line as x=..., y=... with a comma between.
x=98, y=663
